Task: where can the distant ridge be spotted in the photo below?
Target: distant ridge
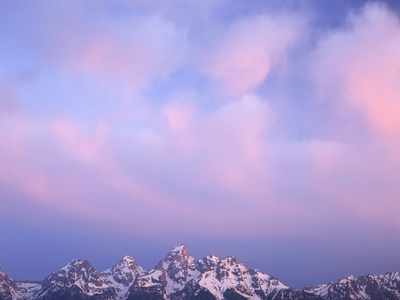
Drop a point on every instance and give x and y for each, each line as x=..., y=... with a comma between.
x=180, y=277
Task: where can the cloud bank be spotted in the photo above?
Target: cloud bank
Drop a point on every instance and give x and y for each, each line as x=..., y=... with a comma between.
x=115, y=115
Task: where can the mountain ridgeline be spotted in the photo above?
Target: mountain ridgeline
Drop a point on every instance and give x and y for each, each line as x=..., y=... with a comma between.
x=180, y=277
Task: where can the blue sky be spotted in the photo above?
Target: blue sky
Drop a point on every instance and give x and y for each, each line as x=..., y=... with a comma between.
x=265, y=129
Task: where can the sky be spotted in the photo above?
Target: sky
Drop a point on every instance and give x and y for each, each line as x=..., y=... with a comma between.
x=265, y=129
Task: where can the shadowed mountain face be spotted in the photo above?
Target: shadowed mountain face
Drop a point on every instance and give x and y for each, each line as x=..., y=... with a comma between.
x=180, y=277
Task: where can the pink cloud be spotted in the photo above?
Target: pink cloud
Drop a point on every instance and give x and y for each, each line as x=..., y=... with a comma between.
x=179, y=117
x=225, y=146
x=237, y=171
x=125, y=55
x=249, y=49
x=172, y=159
x=153, y=48
x=357, y=68
x=18, y=171
x=65, y=166
x=86, y=146
x=360, y=66
x=8, y=103
x=321, y=185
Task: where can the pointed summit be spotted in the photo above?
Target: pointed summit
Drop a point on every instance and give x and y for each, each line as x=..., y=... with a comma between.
x=178, y=267
x=78, y=266
x=124, y=271
x=122, y=275
x=73, y=281
x=179, y=253
x=126, y=262
x=127, y=258
x=180, y=247
x=76, y=262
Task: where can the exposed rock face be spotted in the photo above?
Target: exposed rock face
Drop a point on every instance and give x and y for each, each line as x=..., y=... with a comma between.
x=180, y=277
x=8, y=287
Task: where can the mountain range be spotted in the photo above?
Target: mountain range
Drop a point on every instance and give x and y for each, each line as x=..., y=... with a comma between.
x=181, y=277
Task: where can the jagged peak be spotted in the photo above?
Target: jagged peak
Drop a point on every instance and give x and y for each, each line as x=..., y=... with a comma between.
x=127, y=258
x=78, y=262
x=231, y=259
x=75, y=270
x=177, y=253
x=74, y=263
x=389, y=274
x=347, y=279
x=77, y=265
x=211, y=258
x=125, y=262
x=180, y=248
x=207, y=263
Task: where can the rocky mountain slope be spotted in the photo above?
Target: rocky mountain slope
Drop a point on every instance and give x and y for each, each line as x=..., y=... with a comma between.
x=180, y=277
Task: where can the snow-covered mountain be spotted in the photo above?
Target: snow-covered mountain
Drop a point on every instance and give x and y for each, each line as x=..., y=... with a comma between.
x=122, y=275
x=364, y=287
x=181, y=277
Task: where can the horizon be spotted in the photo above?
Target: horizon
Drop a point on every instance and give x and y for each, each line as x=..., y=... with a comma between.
x=268, y=130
